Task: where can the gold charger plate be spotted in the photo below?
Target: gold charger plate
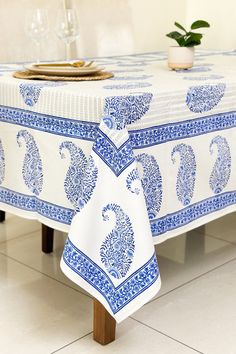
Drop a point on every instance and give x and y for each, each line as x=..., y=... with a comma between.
x=26, y=74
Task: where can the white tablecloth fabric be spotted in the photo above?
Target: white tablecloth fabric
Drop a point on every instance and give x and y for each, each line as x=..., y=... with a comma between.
x=133, y=160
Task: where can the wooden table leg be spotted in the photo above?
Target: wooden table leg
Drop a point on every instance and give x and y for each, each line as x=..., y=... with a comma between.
x=47, y=239
x=195, y=245
x=104, y=325
x=2, y=216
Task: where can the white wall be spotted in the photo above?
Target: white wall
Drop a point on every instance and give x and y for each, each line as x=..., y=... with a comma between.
x=110, y=27
x=126, y=26
x=222, y=17
x=14, y=43
x=107, y=27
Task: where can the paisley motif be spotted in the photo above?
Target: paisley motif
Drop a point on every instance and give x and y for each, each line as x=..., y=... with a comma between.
x=186, y=174
x=123, y=110
x=2, y=163
x=132, y=78
x=222, y=168
x=133, y=181
x=127, y=71
x=32, y=166
x=195, y=69
x=87, y=184
x=135, y=63
x=128, y=86
x=117, y=250
x=31, y=92
x=203, y=78
x=109, y=122
x=204, y=98
x=151, y=183
x=233, y=53
x=81, y=176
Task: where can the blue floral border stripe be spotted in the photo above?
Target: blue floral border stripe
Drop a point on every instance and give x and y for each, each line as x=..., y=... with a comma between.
x=158, y=226
x=117, y=297
x=195, y=211
x=50, y=124
x=117, y=159
x=34, y=204
x=138, y=138
x=180, y=130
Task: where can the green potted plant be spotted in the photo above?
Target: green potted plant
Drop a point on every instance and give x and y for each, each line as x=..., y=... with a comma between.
x=182, y=55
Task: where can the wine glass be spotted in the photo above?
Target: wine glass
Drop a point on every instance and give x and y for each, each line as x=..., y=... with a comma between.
x=67, y=28
x=36, y=27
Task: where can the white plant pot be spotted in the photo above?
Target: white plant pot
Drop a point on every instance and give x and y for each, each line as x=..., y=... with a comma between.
x=180, y=57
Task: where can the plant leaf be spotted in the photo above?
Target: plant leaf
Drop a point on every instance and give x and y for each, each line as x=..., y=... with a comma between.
x=192, y=43
x=199, y=24
x=180, y=27
x=194, y=34
x=181, y=41
x=193, y=39
x=178, y=37
x=174, y=35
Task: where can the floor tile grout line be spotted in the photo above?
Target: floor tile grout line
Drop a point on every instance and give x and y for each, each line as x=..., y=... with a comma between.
x=46, y=275
x=219, y=238
x=166, y=335
x=70, y=287
x=74, y=341
x=191, y=280
x=22, y=235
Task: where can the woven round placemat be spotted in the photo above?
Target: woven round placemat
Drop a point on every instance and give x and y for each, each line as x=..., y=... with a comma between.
x=26, y=74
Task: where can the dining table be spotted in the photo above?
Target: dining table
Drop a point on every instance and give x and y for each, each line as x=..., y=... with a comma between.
x=121, y=165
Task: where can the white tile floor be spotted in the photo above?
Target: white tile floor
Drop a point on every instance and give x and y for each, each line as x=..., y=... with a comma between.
x=42, y=312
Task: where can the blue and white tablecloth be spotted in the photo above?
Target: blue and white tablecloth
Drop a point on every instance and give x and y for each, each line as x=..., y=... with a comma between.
x=127, y=162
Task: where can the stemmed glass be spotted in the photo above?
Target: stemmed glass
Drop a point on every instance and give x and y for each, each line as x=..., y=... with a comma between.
x=67, y=28
x=36, y=26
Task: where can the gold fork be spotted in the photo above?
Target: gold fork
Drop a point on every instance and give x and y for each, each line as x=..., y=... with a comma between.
x=76, y=64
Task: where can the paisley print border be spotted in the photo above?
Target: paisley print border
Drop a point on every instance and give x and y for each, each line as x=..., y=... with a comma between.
x=2, y=163
x=138, y=138
x=117, y=159
x=34, y=204
x=159, y=226
x=117, y=297
x=192, y=212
